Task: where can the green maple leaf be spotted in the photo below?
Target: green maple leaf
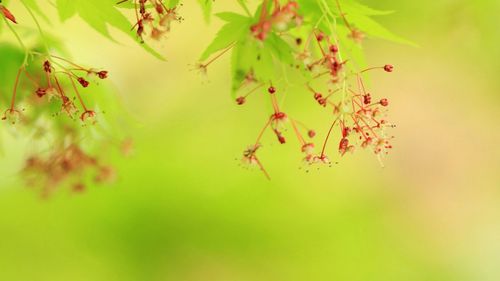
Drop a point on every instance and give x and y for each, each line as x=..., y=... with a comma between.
x=206, y=6
x=100, y=14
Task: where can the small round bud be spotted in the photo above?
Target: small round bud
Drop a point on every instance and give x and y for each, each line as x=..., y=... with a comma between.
x=334, y=49
x=280, y=115
x=384, y=102
x=311, y=133
x=159, y=9
x=41, y=92
x=320, y=36
x=47, y=67
x=367, y=99
x=271, y=90
x=83, y=82
x=240, y=100
x=388, y=68
x=102, y=74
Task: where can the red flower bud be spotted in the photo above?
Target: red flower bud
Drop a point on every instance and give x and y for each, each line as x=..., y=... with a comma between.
x=311, y=133
x=47, y=67
x=41, y=92
x=7, y=14
x=388, y=68
x=83, y=82
x=334, y=49
x=103, y=74
x=320, y=36
x=367, y=99
x=240, y=100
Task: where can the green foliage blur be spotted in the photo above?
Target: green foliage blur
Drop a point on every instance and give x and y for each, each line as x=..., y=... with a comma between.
x=183, y=208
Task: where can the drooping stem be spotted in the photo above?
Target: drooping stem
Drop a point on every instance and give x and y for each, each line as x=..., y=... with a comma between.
x=263, y=13
x=14, y=92
x=219, y=55
x=261, y=167
x=371, y=68
x=328, y=137
x=70, y=62
x=275, y=103
x=39, y=27
x=244, y=6
x=297, y=132
x=77, y=93
x=254, y=89
x=343, y=16
x=19, y=40
x=262, y=132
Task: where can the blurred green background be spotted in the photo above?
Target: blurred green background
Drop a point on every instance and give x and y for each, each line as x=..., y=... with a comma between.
x=183, y=209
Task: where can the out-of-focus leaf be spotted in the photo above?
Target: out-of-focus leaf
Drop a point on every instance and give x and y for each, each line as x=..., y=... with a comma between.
x=351, y=7
x=33, y=5
x=11, y=59
x=243, y=4
x=99, y=14
x=280, y=49
x=231, y=17
x=206, y=6
x=373, y=28
x=243, y=57
x=229, y=33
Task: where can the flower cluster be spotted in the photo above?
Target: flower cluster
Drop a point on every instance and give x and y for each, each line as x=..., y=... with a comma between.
x=47, y=97
x=335, y=84
x=66, y=163
x=281, y=18
x=48, y=82
x=153, y=17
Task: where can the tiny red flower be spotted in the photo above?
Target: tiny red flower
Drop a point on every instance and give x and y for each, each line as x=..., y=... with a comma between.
x=103, y=74
x=83, y=82
x=320, y=36
x=388, y=68
x=41, y=92
x=334, y=49
x=367, y=99
x=47, y=67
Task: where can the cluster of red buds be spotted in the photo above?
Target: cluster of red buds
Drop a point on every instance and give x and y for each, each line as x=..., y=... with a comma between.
x=49, y=85
x=155, y=15
x=67, y=163
x=358, y=119
x=54, y=82
x=45, y=87
x=277, y=124
x=280, y=19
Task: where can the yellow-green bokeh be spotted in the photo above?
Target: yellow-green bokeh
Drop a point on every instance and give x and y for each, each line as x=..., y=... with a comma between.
x=183, y=209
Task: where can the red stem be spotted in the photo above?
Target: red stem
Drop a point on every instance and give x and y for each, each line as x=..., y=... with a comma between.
x=297, y=132
x=77, y=93
x=14, y=93
x=328, y=136
x=262, y=132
